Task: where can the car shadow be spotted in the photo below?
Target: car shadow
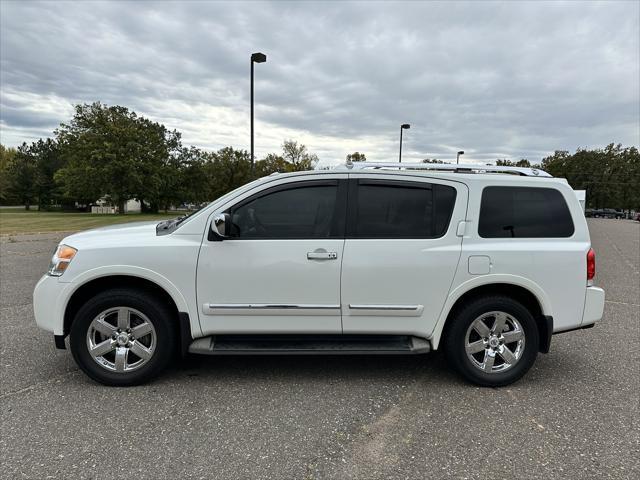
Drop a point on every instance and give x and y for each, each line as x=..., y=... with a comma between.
x=397, y=368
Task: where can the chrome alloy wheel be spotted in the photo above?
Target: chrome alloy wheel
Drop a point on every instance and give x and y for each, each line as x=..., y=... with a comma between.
x=494, y=342
x=121, y=339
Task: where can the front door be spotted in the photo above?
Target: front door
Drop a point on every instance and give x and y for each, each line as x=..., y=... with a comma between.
x=401, y=252
x=279, y=272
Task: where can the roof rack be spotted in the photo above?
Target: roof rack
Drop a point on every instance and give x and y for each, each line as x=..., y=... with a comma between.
x=447, y=167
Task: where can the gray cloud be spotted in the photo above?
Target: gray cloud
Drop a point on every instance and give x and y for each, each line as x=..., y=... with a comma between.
x=496, y=79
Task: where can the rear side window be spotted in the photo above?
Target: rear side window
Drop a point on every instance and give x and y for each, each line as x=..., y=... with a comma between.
x=401, y=210
x=524, y=212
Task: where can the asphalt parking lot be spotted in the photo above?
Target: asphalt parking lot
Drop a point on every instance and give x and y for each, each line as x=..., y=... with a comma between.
x=575, y=415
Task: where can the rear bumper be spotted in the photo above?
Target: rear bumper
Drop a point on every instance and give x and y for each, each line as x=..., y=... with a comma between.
x=593, y=306
x=593, y=312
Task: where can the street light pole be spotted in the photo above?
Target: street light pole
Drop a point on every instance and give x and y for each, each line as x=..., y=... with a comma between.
x=461, y=152
x=404, y=126
x=255, y=58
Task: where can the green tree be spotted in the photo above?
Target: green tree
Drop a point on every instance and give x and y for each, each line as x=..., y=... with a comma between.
x=6, y=157
x=629, y=176
x=272, y=163
x=227, y=169
x=48, y=161
x=111, y=151
x=508, y=163
x=159, y=165
x=31, y=176
x=194, y=185
x=611, y=176
x=298, y=156
x=21, y=175
x=356, y=157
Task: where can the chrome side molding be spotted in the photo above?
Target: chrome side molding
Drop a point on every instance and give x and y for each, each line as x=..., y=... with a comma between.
x=310, y=309
x=265, y=306
x=380, y=310
x=384, y=307
x=269, y=309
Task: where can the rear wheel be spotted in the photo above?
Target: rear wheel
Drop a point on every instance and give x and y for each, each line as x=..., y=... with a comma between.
x=123, y=337
x=492, y=341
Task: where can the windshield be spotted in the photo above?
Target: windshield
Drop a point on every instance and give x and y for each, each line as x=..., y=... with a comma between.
x=182, y=218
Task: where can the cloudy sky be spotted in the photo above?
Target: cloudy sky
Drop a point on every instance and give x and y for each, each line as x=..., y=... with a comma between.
x=498, y=80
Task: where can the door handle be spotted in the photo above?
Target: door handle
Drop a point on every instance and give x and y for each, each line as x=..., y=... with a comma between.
x=322, y=255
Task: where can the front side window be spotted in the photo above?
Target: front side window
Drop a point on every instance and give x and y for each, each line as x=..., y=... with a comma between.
x=397, y=209
x=524, y=212
x=297, y=212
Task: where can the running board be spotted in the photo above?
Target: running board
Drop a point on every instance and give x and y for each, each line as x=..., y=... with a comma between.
x=309, y=345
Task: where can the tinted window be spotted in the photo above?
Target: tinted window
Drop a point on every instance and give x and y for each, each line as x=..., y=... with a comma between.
x=304, y=212
x=524, y=212
x=402, y=210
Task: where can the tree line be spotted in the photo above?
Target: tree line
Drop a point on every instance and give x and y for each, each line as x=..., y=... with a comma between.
x=112, y=153
x=610, y=175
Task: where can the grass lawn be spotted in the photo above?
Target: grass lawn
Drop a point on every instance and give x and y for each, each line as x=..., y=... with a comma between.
x=14, y=221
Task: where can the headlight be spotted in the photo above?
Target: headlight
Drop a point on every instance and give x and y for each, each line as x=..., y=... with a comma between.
x=61, y=260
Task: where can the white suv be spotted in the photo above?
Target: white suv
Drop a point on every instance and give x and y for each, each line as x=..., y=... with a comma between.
x=484, y=262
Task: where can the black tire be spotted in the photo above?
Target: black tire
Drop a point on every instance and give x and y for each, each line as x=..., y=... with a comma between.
x=158, y=314
x=456, y=339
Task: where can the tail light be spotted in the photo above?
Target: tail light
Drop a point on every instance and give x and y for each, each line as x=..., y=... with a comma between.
x=591, y=265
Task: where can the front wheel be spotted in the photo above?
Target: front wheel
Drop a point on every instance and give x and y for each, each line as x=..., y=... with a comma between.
x=122, y=337
x=493, y=341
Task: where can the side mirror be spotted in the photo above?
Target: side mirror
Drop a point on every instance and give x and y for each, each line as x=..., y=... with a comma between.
x=220, y=227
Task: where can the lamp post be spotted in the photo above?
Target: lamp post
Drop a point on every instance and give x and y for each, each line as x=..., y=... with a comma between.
x=404, y=126
x=255, y=58
x=461, y=152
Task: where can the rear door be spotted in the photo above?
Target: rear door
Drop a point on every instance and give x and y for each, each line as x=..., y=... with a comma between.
x=401, y=252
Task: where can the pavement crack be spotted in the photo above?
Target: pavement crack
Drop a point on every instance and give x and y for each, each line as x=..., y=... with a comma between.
x=622, y=303
x=16, y=305
x=33, y=386
x=15, y=253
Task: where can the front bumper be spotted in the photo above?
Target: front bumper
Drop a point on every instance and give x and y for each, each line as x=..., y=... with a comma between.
x=47, y=304
x=593, y=306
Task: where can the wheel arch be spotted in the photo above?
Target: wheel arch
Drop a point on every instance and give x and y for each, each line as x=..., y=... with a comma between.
x=525, y=292
x=94, y=285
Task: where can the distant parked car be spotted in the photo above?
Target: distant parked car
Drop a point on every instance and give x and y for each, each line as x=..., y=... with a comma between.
x=638, y=217
x=613, y=213
x=603, y=213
